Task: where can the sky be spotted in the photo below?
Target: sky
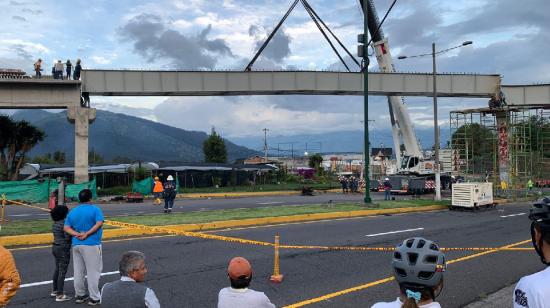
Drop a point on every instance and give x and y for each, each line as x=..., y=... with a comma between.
x=511, y=38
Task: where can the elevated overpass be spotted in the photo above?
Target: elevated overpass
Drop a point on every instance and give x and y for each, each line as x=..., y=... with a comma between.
x=74, y=95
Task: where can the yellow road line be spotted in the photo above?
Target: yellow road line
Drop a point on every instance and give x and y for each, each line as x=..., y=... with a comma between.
x=388, y=279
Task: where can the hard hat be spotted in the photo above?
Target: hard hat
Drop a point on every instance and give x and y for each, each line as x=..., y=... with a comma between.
x=386, y=179
x=156, y=178
x=170, y=178
x=418, y=261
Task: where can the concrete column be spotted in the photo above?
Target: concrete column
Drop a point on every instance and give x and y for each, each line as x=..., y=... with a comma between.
x=503, y=148
x=81, y=118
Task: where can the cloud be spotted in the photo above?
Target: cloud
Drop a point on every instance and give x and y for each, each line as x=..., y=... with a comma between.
x=152, y=40
x=31, y=11
x=278, y=48
x=19, y=18
x=22, y=52
x=17, y=3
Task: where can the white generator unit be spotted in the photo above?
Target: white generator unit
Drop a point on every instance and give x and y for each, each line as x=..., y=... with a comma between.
x=472, y=195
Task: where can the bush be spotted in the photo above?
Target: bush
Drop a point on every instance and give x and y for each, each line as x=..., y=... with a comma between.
x=114, y=191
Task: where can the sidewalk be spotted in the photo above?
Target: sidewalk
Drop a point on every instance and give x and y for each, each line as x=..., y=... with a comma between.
x=500, y=299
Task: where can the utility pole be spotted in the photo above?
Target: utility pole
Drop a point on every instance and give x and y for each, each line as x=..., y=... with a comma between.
x=362, y=53
x=265, y=144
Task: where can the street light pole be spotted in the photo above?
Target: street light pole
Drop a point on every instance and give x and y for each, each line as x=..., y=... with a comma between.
x=436, y=131
x=367, y=198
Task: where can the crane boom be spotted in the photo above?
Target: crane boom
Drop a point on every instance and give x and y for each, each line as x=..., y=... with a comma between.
x=410, y=159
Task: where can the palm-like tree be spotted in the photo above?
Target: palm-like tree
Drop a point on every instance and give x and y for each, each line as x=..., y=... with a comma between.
x=7, y=128
x=27, y=136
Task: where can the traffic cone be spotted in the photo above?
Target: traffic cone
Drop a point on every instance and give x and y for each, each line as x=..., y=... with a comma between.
x=277, y=276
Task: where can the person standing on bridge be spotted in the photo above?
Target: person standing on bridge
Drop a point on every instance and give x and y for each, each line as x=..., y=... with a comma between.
x=59, y=69
x=38, y=69
x=61, y=250
x=77, y=69
x=533, y=291
x=9, y=277
x=85, y=224
x=238, y=294
x=129, y=292
x=157, y=190
x=170, y=192
x=418, y=267
x=68, y=69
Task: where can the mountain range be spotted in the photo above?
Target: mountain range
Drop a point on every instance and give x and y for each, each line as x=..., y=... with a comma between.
x=119, y=137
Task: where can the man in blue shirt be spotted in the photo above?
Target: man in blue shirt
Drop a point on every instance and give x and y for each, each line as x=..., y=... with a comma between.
x=84, y=223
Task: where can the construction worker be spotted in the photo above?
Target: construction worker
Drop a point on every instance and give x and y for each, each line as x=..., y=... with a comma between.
x=529, y=186
x=158, y=189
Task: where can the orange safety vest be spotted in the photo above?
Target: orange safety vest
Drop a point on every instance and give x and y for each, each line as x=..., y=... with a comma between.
x=158, y=187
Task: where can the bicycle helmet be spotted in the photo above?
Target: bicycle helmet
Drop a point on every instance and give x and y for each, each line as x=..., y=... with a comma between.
x=418, y=262
x=540, y=218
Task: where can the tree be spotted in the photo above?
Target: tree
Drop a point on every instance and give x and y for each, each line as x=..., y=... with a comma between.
x=94, y=158
x=477, y=144
x=59, y=157
x=214, y=148
x=16, y=140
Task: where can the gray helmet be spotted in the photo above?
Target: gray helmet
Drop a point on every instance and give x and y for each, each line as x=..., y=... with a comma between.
x=418, y=261
x=540, y=217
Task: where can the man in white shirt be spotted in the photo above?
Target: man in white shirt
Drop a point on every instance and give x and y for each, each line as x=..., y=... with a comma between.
x=533, y=291
x=128, y=292
x=239, y=295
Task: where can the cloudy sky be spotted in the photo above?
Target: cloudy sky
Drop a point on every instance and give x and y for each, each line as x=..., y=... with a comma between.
x=510, y=37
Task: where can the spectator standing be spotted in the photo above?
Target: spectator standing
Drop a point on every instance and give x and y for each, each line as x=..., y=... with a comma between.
x=128, y=292
x=238, y=294
x=38, y=69
x=170, y=191
x=54, y=73
x=387, y=189
x=533, y=291
x=68, y=69
x=418, y=267
x=344, y=183
x=85, y=224
x=157, y=190
x=61, y=250
x=9, y=277
x=59, y=69
x=77, y=70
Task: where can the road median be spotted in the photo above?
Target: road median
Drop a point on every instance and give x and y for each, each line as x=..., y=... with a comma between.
x=221, y=219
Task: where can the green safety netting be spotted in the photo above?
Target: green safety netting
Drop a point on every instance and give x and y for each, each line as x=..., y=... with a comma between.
x=145, y=187
x=39, y=191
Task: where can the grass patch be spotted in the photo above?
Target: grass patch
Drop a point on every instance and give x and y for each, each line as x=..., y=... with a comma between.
x=19, y=227
x=257, y=188
x=273, y=211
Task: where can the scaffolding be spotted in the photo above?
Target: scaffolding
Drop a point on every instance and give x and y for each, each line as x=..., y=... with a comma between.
x=473, y=144
x=520, y=135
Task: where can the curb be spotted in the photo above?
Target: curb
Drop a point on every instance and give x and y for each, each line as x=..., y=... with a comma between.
x=248, y=194
x=47, y=238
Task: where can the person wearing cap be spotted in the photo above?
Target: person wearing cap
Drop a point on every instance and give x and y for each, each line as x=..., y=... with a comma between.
x=157, y=190
x=418, y=267
x=9, y=277
x=238, y=294
x=129, y=292
x=170, y=191
x=533, y=291
x=387, y=189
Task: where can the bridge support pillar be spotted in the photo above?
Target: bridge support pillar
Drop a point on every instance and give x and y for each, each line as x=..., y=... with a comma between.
x=503, y=150
x=82, y=118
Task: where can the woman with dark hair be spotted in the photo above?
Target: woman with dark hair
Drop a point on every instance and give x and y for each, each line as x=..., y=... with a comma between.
x=61, y=250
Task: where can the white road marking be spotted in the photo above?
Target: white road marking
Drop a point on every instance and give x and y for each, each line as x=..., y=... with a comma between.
x=513, y=215
x=393, y=232
x=41, y=283
x=266, y=203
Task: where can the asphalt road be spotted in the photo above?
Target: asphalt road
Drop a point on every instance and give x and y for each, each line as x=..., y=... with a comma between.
x=188, y=272
x=15, y=212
